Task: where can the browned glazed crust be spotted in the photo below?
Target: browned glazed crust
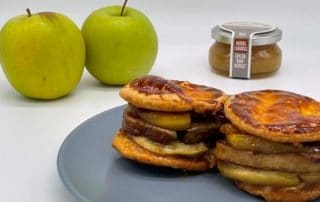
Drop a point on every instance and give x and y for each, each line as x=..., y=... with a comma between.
x=156, y=93
x=203, y=98
x=273, y=194
x=275, y=115
x=128, y=149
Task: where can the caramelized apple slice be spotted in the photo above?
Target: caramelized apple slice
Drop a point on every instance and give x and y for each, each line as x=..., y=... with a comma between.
x=200, y=132
x=173, y=148
x=168, y=120
x=136, y=126
x=289, y=162
x=252, y=143
x=256, y=176
x=310, y=177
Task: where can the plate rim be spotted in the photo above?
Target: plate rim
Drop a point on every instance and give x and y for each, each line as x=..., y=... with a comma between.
x=61, y=172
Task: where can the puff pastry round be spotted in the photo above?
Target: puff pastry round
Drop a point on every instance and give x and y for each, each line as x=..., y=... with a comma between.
x=156, y=93
x=276, y=115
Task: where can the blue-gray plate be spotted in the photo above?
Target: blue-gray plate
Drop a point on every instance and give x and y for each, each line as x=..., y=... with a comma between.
x=93, y=171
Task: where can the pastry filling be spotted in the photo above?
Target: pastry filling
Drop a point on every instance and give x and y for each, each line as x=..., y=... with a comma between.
x=171, y=133
x=254, y=160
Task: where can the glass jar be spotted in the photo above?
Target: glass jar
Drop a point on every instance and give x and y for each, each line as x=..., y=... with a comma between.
x=265, y=55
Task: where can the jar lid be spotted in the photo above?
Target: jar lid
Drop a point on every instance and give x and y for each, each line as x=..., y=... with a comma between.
x=223, y=35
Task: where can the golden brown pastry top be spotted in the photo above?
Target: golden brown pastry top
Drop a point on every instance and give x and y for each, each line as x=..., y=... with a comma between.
x=276, y=115
x=156, y=93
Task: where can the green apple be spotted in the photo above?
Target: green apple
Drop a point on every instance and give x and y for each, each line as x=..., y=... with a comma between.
x=121, y=44
x=42, y=55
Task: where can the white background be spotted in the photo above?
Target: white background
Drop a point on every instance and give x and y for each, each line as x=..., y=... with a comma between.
x=32, y=131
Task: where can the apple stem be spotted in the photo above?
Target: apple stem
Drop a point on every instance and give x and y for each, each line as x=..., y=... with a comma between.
x=29, y=12
x=123, y=7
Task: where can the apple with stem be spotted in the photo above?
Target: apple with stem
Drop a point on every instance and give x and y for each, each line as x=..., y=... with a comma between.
x=42, y=55
x=121, y=44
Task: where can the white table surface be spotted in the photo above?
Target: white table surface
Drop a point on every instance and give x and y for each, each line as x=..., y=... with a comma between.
x=32, y=131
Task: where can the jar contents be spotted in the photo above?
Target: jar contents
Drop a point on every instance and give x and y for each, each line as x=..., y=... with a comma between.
x=245, y=48
x=264, y=58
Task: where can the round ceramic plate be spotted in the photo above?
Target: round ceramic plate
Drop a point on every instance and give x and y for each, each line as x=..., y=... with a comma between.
x=93, y=171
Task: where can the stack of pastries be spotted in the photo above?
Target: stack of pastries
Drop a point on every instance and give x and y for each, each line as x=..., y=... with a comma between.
x=271, y=144
x=169, y=123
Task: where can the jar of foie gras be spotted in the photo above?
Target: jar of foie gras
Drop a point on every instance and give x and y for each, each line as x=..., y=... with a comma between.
x=243, y=49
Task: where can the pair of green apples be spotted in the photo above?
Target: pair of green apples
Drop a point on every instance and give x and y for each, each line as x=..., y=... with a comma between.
x=43, y=55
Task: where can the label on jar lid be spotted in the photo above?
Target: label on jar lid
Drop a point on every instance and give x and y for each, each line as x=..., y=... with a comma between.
x=241, y=46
